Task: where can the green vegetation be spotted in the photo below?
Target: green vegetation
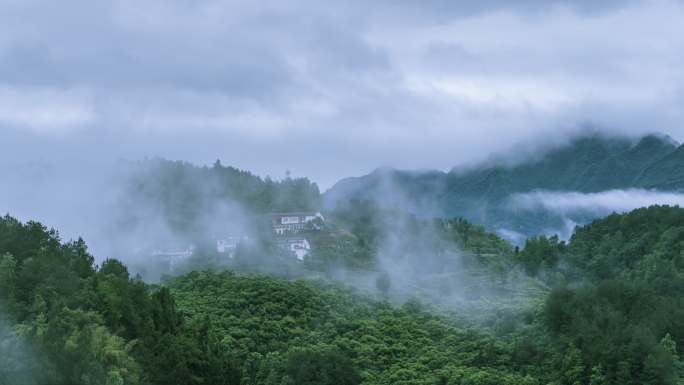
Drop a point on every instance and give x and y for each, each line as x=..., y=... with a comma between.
x=590, y=163
x=619, y=301
x=184, y=195
x=615, y=314
x=91, y=325
x=355, y=233
x=79, y=324
x=272, y=324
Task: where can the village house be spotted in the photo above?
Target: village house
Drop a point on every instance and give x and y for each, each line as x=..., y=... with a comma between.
x=229, y=245
x=295, y=222
x=300, y=247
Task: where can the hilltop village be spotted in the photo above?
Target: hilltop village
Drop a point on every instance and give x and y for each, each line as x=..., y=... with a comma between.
x=286, y=230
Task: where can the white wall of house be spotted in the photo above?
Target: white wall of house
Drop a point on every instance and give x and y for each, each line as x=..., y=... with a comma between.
x=289, y=220
x=300, y=247
x=229, y=245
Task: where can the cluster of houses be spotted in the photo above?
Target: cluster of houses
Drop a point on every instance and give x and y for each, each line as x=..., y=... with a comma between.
x=287, y=229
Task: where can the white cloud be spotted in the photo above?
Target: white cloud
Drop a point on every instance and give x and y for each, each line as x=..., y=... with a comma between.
x=567, y=203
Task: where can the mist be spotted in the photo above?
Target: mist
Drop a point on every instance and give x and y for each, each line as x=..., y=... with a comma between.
x=136, y=211
x=449, y=265
x=574, y=208
x=21, y=363
x=130, y=210
x=118, y=209
x=426, y=263
x=603, y=202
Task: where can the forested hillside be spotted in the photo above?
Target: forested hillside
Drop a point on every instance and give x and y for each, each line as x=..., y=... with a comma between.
x=280, y=329
x=620, y=293
x=68, y=321
x=187, y=197
x=396, y=255
x=613, y=316
x=482, y=194
x=85, y=324
x=162, y=206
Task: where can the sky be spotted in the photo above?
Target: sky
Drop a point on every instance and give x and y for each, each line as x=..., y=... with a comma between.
x=330, y=89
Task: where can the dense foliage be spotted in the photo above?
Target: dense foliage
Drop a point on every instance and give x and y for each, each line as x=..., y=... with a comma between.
x=614, y=316
x=619, y=301
x=83, y=324
x=358, y=231
x=275, y=327
x=186, y=197
x=80, y=324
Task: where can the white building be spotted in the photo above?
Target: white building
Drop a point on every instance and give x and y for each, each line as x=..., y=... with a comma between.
x=173, y=256
x=292, y=223
x=229, y=245
x=300, y=247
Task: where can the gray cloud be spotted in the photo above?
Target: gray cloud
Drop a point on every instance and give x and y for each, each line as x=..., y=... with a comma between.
x=329, y=90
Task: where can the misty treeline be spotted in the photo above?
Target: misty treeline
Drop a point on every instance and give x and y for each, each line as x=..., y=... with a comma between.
x=129, y=209
x=614, y=316
x=508, y=192
x=360, y=243
x=86, y=324
x=392, y=254
x=186, y=194
x=79, y=323
x=172, y=204
x=435, y=301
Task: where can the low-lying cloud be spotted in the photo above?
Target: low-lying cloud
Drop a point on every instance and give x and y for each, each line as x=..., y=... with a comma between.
x=599, y=203
x=122, y=209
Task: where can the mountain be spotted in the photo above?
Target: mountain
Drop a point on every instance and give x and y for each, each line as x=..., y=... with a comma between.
x=587, y=164
x=666, y=173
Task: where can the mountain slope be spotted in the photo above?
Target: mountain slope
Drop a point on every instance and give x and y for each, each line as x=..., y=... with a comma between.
x=665, y=173
x=587, y=164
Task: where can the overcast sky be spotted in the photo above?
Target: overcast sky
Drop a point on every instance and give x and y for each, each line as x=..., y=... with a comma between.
x=327, y=89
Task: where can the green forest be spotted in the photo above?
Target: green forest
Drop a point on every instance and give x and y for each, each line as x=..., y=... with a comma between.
x=589, y=163
x=303, y=192
x=613, y=313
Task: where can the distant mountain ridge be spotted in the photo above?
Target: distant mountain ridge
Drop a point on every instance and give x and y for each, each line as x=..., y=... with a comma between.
x=587, y=164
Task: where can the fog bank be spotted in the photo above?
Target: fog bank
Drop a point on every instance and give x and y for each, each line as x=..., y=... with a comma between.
x=600, y=203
